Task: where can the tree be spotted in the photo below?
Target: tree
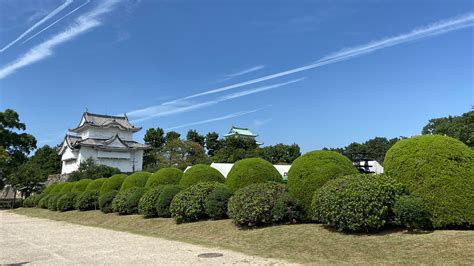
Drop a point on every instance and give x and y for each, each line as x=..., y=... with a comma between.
x=213, y=144
x=47, y=160
x=180, y=154
x=172, y=135
x=373, y=149
x=156, y=140
x=234, y=149
x=90, y=169
x=280, y=153
x=194, y=136
x=459, y=127
x=15, y=146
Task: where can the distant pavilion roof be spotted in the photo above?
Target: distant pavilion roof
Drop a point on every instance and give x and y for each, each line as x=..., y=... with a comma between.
x=240, y=131
x=75, y=142
x=104, y=121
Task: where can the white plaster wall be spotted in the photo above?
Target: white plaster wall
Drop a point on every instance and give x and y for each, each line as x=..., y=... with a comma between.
x=105, y=133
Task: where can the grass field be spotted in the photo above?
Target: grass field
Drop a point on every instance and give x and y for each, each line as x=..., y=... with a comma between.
x=303, y=243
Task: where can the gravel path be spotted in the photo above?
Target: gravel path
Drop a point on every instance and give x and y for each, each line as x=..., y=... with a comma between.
x=39, y=241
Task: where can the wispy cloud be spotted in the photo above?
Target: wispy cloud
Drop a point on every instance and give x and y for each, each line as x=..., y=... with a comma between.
x=181, y=106
x=37, y=24
x=58, y=20
x=220, y=118
x=240, y=73
x=81, y=25
x=431, y=30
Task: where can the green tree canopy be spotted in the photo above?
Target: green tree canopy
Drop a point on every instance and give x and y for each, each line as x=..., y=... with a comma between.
x=89, y=169
x=458, y=127
x=194, y=136
x=280, y=153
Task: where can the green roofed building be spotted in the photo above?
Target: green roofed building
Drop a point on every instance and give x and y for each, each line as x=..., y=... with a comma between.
x=240, y=132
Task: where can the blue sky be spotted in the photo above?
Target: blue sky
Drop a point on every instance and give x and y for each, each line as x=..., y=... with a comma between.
x=316, y=73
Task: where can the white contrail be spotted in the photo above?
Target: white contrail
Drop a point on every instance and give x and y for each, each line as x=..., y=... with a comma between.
x=225, y=117
x=41, y=51
x=240, y=73
x=50, y=15
x=58, y=20
x=416, y=34
x=186, y=106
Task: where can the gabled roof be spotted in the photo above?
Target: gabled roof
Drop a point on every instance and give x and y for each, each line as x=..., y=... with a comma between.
x=104, y=121
x=240, y=131
x=114, y=143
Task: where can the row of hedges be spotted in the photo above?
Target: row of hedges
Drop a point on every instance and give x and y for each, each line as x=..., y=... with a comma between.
x=428, y=183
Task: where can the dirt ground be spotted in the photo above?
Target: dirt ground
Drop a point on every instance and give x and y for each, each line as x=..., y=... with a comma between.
x=39, y=241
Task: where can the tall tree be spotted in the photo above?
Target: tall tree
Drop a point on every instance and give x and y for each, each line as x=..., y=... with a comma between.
x=172, y=135
x=154, y=137
x=280, y=153
x=194, y=136
x=15, y=146
x=234, y=149
x=459, y=127
x=213, y=144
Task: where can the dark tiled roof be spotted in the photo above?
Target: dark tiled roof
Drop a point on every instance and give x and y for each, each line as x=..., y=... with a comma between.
x=75, y=142
x=97, y=120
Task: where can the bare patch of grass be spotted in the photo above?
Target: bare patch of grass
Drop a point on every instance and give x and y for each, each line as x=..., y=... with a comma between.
x=302, y=243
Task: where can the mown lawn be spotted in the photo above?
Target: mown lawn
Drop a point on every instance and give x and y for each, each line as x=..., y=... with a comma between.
x=303, y=243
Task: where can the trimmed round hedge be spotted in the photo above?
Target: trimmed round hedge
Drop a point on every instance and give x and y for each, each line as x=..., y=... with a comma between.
x=81, y=185
x=105, y=201
x=43, y=202
x=49, y=188
x=252, y=170
x=57, y=188
x=67, y=201
x=96, y=184
x=147, y=203
x=357, y=203
x=53, y=201
x=200, y=173
x=164, y=200
x=32, y=200
x=215, y=205
x=165, y=176
x=67, y=187
x=255, y=204
x=312, y=170
x=412, y=212
x=113, y=183
x=137, y=179
x=188, y=205
x=440, y=170
x=126, y=202
x=88, y=200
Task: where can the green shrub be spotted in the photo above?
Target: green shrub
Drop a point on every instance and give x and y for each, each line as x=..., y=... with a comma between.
x=440, y=170
x=67, y=201
x=311, y=171
x=88, y=200
x=200, y=173
x=32, y=200
x=53, y=201
x=252, y=170
x=67, y=187
x=57, y=188
x=43, y=202
x=147, y=203
x=105, y=201
x=215, y=205
x=126, y=202
x=81, y=185
x=412, y=212
x=18, y=203
x=137, y=179
x=95, y=185
x=164, y=200
x=165, y=176
x=254, y=205
x=287, y=209
x=49, y=188
x=113, y=183
x=357, y=203
x=188, y=205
